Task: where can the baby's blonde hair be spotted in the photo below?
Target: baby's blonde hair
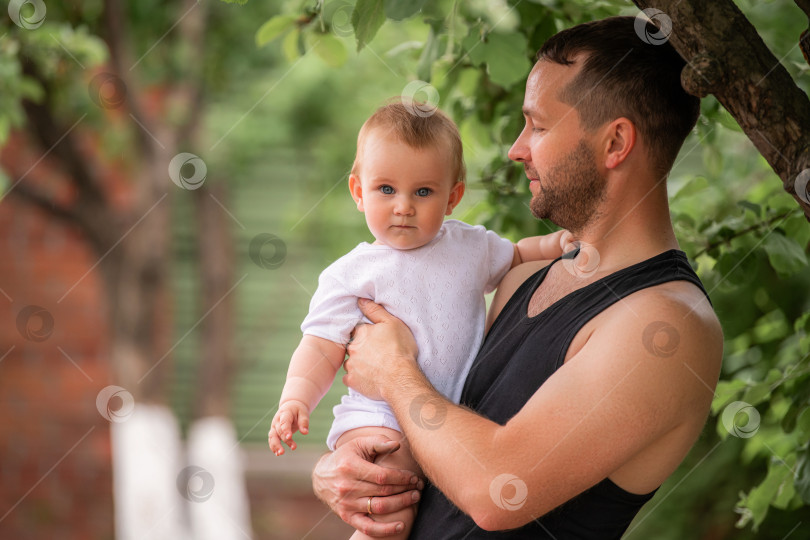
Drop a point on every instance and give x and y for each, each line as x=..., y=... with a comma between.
x=419, y=127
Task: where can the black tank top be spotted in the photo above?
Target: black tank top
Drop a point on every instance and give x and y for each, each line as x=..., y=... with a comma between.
x=518, y=355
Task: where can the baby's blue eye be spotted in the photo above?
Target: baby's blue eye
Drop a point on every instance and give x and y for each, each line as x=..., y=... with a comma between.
x=423, y=192
x=387, y=190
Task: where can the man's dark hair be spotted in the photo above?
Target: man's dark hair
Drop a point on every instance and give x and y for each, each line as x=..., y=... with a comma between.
x=625, y=76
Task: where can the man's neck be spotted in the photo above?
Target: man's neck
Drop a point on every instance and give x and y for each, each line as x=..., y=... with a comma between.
x=637, y=228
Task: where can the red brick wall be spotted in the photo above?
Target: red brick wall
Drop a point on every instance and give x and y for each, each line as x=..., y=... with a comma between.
x=55, y=455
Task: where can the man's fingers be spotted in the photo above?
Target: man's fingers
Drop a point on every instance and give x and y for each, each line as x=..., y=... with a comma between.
x=384, y=446
x=385, y=480
x=375, y=312
x=393, y=503
x=369, y=527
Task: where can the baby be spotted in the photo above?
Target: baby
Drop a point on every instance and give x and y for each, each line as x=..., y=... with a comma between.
x=432, y=274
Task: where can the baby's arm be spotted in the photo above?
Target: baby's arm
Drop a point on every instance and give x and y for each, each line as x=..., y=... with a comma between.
x=312, y=369
x=540, y=248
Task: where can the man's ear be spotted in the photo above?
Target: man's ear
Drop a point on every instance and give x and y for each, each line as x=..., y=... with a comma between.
x=620, y=139
x=456, y=193
x=356, y=189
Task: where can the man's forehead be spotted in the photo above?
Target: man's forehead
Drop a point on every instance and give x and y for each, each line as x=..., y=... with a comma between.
x=548, y=74
x=544, y=84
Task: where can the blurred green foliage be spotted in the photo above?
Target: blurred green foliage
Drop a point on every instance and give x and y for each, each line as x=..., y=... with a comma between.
x=280, y=122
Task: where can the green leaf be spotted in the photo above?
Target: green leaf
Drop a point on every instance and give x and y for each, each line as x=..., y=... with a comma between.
x=402, y=9
x=429, y=55
x=788, y=422
x=290, y=45
x=786, y=256
x=5, y=129
x=713, y=160
x=802, y=323
x=802, y=479
x=474, y=45
x=736, y=268
x=330, y=49
x=757, y=393
x=803, y=423
x=695, y=185
x=4, y=179
x=31, y=89
x=727, y=121
x=725, y=393
x=506, y=58
x=367, y=17
x=760, y=498
x=273, y=28
x=771, y=326
x=753, y=207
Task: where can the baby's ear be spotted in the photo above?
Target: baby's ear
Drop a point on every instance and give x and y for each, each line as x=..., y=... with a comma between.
x=356, y=189
x=456, y=193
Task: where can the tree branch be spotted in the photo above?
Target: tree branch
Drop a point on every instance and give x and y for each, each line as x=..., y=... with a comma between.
x=39, y=199
x=746, y=78
x=191, y=89
x=115, y=34
x=743, y=232
x=89, y=222
x=60, y=141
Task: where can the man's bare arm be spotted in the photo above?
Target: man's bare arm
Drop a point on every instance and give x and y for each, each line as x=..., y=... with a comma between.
x=610, y=401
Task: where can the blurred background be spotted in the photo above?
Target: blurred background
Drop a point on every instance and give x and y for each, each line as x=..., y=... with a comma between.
x=174, y=178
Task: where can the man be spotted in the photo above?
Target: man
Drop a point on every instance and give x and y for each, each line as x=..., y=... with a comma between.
x=598, y=371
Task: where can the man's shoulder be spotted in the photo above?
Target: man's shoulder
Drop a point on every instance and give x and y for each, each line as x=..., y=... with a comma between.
x=677, y=299
x=669, y=320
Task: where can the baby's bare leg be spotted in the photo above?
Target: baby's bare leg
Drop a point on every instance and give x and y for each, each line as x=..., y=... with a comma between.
x=401, y=459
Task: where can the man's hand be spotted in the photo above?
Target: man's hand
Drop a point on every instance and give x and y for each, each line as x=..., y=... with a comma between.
x=377, y=351
x=346, y=478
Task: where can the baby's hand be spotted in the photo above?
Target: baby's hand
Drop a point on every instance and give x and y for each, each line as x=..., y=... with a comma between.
x=566, y=240
x=555, y=244
x=291, y=416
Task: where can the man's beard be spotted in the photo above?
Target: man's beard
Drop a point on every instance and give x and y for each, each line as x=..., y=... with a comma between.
x=572, y=191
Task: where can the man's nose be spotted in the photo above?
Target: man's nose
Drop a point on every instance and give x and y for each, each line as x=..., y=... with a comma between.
x=520, y=150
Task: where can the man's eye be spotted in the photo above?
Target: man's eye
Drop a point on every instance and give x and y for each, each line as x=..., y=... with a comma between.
x=387, y=190
x=423, y=192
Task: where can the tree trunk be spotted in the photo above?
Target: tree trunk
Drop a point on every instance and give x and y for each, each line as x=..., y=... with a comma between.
x=726, y=57
x=217, y=363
